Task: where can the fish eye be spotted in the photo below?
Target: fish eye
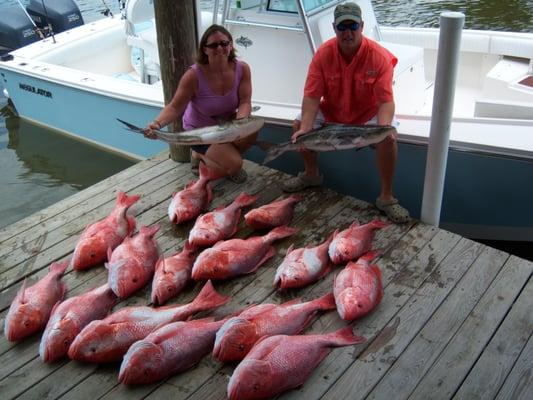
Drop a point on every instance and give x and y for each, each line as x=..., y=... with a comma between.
x=92, y=255
x=241, y=347
x=26, y=323
x=93, y=349
x=134, y=280
x=255, y=387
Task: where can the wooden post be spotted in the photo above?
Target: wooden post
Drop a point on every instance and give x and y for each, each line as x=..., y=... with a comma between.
x=177, y=41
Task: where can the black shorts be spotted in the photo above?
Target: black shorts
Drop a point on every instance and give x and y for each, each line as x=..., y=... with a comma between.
x=200, y=148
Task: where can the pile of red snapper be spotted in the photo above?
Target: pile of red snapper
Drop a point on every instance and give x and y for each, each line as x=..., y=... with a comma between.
x=155, y=343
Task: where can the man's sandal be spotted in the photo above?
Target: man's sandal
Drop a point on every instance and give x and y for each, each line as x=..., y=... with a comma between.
x=394, y=211
x=301, y=182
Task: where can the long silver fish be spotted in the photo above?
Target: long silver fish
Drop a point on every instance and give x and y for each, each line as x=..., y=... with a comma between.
x=330, y=137
x=223, y=133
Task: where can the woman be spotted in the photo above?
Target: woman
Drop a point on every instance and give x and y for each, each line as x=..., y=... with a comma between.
x=217, y=87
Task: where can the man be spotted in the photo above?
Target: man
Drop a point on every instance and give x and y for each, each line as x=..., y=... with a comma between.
x=350, y=81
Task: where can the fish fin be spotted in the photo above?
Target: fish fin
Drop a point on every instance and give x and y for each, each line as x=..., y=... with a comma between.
x=124, y=200
x=131, y=127
x=344, y=337
x=291, y=248
x=280, y=232
x=187, y=186
x=22, y=292
x=209, y=297
x=371, y=255
x=109, y=253
x=332, y=236
x=245, y=199
x=59, y=267
x=269, y=254
x=292, y=302
x=295, y=198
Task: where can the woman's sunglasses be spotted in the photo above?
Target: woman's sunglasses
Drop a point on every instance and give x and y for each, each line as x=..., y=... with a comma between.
x=353, y=26
x=214, y=45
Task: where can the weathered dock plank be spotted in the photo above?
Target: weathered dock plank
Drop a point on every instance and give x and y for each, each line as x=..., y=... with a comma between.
x=519, y=383
x=454, y=363
x=451, y=307
x=502, y=351
x=422, y=351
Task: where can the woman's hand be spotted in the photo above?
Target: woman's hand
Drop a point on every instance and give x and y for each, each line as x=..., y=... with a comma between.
x=150, y=128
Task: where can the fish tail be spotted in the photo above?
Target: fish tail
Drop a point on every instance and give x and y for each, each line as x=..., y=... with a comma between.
x=326, y=302
x=59, y=268
x=280, y=232
x=209, y=297
x=343, y=337
x=245, y=199
x=274, y=152
x=370, y=255
x=378, y=224
x=207, y=173
x=296, y=198
x=150, y=231
x=124, y=200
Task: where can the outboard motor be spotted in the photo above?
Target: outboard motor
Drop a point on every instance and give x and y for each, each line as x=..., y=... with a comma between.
x=16, y=30
x=61, y=14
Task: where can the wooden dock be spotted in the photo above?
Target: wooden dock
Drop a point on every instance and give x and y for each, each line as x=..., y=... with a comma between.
x=455, y=320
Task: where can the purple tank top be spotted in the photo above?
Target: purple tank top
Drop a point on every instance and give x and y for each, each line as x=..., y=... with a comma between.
x=206, y=107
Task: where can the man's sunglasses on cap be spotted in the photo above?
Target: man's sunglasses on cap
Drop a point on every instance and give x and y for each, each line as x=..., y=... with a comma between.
x=343, y=27
x=214, y=45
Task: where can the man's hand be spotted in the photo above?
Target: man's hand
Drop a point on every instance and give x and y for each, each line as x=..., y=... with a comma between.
x=298, y=133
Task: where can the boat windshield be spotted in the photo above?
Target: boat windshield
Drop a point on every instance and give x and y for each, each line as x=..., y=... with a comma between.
x=289, y=6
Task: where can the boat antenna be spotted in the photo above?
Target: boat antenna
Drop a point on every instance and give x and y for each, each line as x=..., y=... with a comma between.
x=48, y=21
x=37, y=29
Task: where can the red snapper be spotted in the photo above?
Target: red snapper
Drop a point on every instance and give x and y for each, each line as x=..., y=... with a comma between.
x=220, y=224
x=172, y=274
x=172, y=349
x=354, y=241
x=109, y=339
x=358, y=288
x=304, y=266
x=192, y=200
x=132, y=264
x=277, y=213
x=70, y=317
x=238, y=335
x=278, y=363
x=97, y=238
x=31, y=308
x=235, y=257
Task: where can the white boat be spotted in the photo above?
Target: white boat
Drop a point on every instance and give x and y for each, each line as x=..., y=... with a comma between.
x=109, y=69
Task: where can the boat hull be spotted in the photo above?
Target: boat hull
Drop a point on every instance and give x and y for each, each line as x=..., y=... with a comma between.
x=486, y=196
x=87, y=115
